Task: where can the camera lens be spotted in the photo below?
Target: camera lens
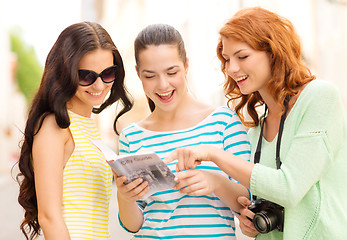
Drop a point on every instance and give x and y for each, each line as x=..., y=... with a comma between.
x=265, y=221
x=261, y=224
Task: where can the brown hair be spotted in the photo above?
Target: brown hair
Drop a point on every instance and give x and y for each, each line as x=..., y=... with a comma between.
x=58, y=85
x=159, y=34
x=265, y=31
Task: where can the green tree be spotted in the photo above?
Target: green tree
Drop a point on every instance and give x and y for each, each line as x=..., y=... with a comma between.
x=29, y=69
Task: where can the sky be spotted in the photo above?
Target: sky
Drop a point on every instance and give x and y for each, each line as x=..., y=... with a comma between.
x=41, y=20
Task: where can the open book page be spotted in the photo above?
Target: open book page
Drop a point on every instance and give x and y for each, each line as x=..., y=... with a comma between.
x=147, y=166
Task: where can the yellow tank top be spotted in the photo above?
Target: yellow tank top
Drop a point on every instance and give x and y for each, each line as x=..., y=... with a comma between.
x=87, y=184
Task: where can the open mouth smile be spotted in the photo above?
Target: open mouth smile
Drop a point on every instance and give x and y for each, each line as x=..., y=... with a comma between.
x=166, y=96
x=241, y=80
x=95, y=93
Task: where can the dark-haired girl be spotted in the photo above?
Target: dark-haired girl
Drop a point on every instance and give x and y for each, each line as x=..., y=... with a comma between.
x=65, y=182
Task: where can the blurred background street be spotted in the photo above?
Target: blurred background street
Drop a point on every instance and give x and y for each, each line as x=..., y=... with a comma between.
x=28, y=29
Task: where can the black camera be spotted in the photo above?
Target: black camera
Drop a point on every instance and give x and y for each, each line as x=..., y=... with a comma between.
x=268, y=216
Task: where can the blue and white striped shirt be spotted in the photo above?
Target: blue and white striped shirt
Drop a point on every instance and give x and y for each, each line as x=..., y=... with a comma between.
x=171, y=215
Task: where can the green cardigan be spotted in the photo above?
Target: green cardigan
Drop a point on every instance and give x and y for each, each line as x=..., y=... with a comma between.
x=312, y=182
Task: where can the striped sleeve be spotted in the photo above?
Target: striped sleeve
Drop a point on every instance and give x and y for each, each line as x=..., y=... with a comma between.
x=123, y=143
x=235, y=136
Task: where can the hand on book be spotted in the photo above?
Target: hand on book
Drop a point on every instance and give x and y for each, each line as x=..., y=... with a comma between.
x=143, y=173
x=132, y=191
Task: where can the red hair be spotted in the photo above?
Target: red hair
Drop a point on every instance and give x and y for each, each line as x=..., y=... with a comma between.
x=265, y=31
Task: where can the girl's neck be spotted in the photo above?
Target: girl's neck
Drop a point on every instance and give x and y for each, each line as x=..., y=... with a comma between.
x=187, y=114
x=187, y=104
x=80, y=109
x=273, y=108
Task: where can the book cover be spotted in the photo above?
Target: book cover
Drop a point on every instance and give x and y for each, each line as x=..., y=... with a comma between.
x=145, y=165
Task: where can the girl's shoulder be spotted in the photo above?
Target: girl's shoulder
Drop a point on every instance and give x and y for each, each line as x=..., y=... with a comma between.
x=225, y=110
x=50, y=128
x=319, y=93
x=225, y=113
x=130, y=129
x=52, y=140
x=317, y=87
x=49, y=123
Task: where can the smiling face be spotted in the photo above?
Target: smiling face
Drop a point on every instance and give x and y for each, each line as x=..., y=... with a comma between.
x=87, y=97
x=163, y=73
x=250, y=68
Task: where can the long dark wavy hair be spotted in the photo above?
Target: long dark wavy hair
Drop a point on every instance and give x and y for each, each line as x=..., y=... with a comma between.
x=265, y=31
x=59, y=84
x=158, y=34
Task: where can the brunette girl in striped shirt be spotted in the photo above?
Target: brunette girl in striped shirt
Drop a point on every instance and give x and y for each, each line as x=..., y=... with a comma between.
x=199, y=207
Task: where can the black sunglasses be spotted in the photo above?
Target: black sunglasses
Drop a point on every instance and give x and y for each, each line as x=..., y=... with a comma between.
x=88, y=77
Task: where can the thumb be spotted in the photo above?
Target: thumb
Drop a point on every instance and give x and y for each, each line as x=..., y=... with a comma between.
x=115, y=174
x=245, y=202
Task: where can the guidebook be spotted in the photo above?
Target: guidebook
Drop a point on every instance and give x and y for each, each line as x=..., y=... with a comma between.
x=146, y=165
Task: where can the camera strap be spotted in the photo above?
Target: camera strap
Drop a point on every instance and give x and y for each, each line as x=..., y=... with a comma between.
x=279, y=136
